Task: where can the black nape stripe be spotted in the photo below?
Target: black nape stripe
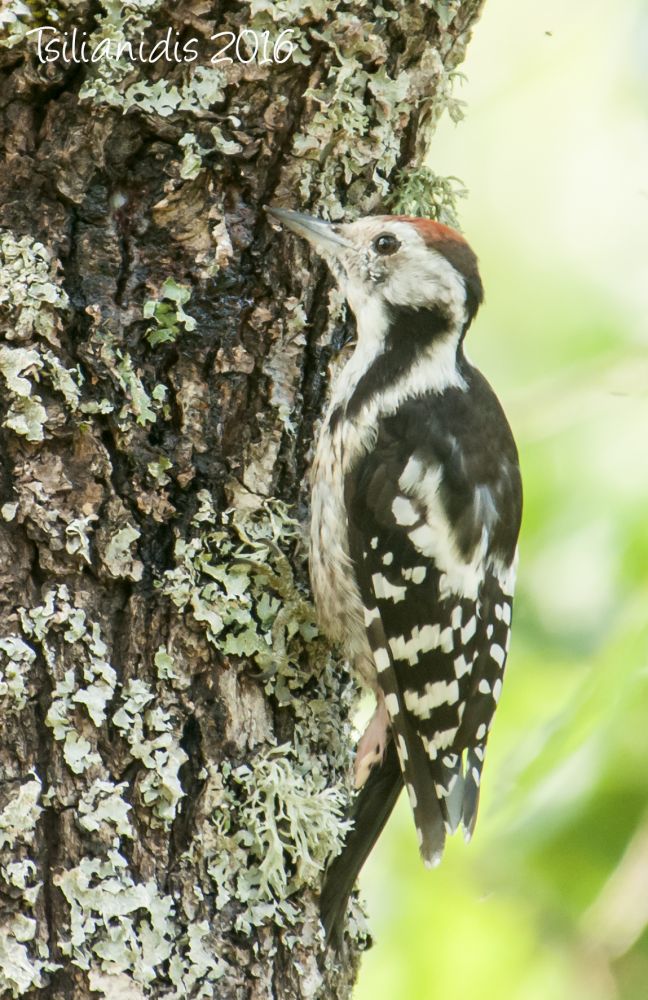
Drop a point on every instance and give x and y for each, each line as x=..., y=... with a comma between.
x=410, y=332
x=464, y=261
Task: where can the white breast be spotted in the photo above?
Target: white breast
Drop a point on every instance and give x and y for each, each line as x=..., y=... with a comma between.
x=337, y=597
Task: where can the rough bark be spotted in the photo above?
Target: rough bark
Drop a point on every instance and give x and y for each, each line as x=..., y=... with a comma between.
x=175, y=735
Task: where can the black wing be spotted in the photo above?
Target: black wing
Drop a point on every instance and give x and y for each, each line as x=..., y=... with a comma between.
x=434, y=513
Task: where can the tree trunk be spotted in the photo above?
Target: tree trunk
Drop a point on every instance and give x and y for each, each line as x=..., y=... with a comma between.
x=175, y=734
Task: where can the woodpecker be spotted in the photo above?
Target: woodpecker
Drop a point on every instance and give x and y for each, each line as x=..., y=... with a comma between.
x=416, y=509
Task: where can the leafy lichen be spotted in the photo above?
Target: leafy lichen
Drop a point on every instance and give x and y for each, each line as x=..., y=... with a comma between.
x=103, y=810
x=18, y=17
x=271, y=823
x=114, y=81
x=31, y=303
x=77, y=534
x=123, y=928
x=153, y=737
x=90, y=682
x=238, y=584
x=16, y=659
x=26, y=415
x=168, y=313
x=135, y=403
x=23, y=957
x=31, y=296
x=19, y=816
x=115, y=922
x=118, y=557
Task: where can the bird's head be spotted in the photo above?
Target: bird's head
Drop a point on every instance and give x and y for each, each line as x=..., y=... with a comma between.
x=389, y=262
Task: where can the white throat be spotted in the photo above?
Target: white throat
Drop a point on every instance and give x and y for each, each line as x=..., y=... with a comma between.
x=435, y=370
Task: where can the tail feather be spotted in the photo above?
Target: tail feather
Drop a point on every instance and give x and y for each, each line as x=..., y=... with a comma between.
x=442, y=797
x=474, y=764
x=426, y=803
x=370, y=812
x=450, y=788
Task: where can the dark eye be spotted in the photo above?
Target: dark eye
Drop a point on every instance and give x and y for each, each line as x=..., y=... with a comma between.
x=386, y=244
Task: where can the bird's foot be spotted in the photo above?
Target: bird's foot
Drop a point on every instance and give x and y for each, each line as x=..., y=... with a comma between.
x=371, y=748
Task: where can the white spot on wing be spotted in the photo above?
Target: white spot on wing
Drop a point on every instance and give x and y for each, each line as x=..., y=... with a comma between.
x=384, y=590
x=498, y=654
x=404, y=511
x=446, y=641
x=461, y=666
x=436, y=540
x=420, y=641
x=411, y=474
x=469, y=630
x=370, y=615
x=444, y=738
x=506, y=575
x=391, y=704
x=381, y=659
x=434, y=694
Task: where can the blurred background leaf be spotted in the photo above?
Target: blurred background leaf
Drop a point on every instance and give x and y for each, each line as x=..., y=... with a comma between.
x=551, y=898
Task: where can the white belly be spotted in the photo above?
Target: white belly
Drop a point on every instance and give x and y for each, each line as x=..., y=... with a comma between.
x=337, y=596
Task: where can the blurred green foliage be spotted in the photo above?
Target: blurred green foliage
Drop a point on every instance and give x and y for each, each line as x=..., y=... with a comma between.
x=551, y=898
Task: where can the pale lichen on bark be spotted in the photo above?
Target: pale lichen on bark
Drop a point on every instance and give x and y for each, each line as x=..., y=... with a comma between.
x=177, y=737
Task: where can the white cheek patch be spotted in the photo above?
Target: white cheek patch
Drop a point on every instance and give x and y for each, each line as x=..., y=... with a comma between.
x=416, y=275
x=420, y=277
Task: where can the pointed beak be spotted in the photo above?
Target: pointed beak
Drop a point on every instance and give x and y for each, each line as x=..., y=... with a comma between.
x=321, y=235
